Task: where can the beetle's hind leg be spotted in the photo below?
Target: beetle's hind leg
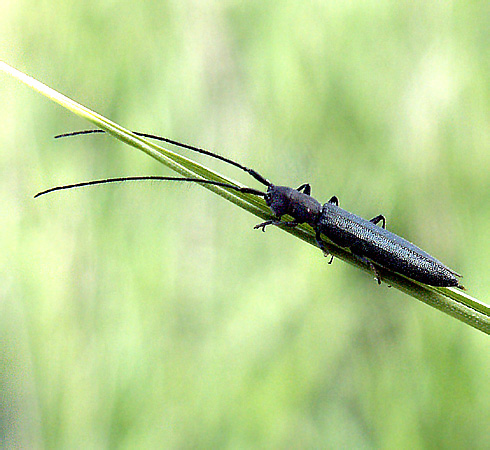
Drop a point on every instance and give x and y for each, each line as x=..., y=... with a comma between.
x=460, y=286
x=369, y=263
x=376, y=273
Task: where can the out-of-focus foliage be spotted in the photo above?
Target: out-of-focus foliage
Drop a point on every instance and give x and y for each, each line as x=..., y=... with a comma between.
x=153, y=315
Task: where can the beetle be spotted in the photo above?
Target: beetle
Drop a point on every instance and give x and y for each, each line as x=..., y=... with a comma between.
x=370, y=243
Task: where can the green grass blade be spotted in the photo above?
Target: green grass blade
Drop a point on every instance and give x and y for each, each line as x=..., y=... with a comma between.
x=451, y=301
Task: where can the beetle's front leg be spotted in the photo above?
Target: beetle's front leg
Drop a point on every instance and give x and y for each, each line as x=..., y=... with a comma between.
x=264, y=224
x=276, y=222
x=291, y=224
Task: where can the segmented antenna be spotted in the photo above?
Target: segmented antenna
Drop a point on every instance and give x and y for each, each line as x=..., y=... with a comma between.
x=251, y=172
x=245, y=190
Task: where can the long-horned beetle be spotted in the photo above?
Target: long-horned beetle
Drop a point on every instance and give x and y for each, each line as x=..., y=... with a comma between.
x=370, y=243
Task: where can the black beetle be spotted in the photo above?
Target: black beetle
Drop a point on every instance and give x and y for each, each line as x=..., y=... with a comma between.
x=370, y=243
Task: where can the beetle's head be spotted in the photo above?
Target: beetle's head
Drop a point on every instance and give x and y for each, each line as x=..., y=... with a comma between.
x=277, y=199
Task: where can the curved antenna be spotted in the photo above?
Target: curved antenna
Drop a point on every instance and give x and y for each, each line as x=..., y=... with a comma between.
x=251, y=172
x=244, y=190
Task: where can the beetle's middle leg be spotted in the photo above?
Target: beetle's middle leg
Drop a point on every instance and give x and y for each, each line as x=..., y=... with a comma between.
x=321, y=244
x=379, y=218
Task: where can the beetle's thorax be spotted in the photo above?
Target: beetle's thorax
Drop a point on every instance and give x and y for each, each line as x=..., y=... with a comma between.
x=285, y=200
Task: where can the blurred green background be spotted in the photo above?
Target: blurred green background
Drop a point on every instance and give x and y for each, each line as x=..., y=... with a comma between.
x=153, y=315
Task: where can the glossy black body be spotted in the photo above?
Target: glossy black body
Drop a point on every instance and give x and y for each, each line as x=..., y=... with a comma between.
x=369, y=242
x=383, y=247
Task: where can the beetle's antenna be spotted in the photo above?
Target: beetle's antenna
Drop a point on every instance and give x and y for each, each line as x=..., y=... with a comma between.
x=244, y=190
x=251, y=172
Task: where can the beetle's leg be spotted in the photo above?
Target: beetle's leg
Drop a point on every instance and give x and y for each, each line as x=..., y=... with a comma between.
x=321, y=244
x=376, y=273
x=291, y=224
x=264, y=224
x=379, y=218
x=369, y=263
x=306, y=188
x=334, y=200
x=276, y=222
